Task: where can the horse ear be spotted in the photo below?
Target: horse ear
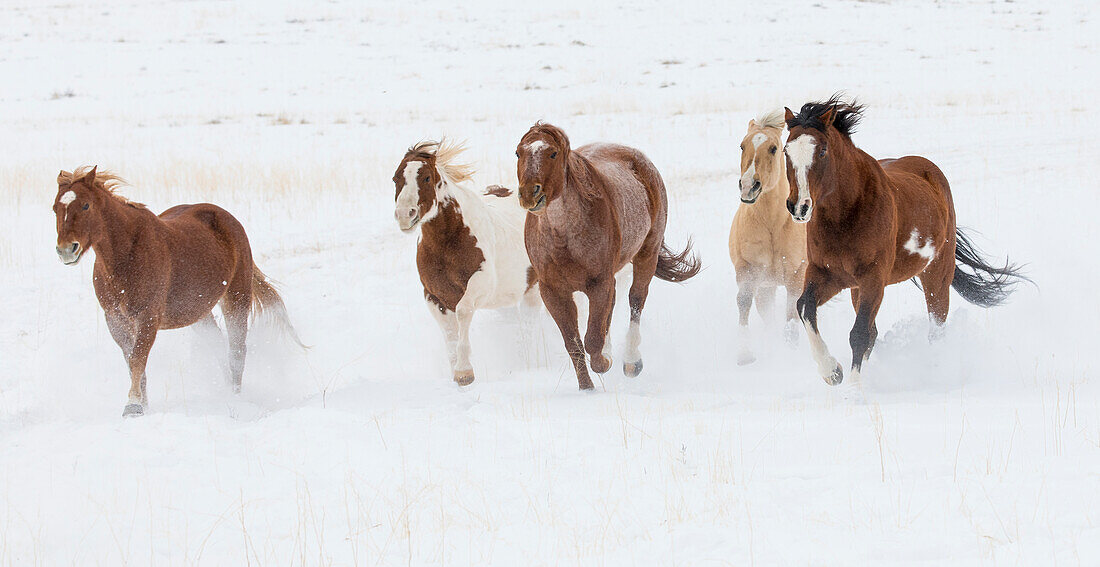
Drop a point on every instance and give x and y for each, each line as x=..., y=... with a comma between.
x=829, y=116
x=64, y=177
x=752, y=122
x=788, y=116
x=89, y=178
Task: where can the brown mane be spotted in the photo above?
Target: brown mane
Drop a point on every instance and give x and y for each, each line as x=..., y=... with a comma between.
x=107, y=181
x=578, y=170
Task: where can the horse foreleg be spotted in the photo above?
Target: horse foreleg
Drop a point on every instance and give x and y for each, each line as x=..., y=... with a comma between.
x=464, y=370
x=746, y=291
x=601, y=302
x=819, y=289
x=448, y=324
x=143, y=337
x=563, y=309
x=790, y=327
x=864, y=332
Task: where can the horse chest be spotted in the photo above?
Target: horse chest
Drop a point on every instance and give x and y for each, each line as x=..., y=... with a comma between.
x=447, y=265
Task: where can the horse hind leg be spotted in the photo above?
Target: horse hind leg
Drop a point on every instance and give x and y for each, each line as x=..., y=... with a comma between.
x=937, y=296
x=236, y=307
x=645, y=266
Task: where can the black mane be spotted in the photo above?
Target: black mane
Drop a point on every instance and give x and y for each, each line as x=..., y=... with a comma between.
x=848, y=115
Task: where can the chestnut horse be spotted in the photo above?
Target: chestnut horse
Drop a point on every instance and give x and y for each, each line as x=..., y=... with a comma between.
x=767, y=247
x=469, y=255
x=165, y=272
x=873, y=224
x=592, y=211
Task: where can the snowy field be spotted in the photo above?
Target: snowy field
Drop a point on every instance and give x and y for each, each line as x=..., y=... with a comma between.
x=981, y=449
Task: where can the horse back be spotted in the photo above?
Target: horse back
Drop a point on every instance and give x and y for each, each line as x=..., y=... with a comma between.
x=634, y=190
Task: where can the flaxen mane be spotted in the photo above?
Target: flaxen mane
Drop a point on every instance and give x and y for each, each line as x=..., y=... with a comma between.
x=773, y=119
x=848, y=115
x=444, y=153
x=107, y=181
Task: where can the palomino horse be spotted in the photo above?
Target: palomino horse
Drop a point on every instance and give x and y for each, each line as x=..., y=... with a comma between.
x=593, y=210
x=469, y=255
x=165, y=272
x=767, y=247
x=875, y=223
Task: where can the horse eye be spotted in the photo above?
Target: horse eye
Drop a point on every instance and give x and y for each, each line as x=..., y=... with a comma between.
x=553, y=155
x=742, y=147
x=85, y=207
x=427, y=179
x=517, y=153
x=773, y=150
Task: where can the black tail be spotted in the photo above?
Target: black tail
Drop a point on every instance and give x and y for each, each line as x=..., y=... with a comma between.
x=673, y=267
x=984, y=285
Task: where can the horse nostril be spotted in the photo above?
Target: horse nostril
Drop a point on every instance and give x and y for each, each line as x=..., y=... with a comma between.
x=790, y=207
x=412, y=213
x=538, y=189
x=755, y=185
x=75, y=246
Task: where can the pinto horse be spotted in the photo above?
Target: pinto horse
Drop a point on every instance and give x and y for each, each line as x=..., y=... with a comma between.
x=469, y=255
x=161, y=272
x=872, y=224
x=591, y=211
x=767, y=247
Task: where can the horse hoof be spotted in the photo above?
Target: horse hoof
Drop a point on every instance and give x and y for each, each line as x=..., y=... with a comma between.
x=836, y=377
x=632, y=369
x=133, y=410
x=601, y=364
x=745, y=358
x=464, y=378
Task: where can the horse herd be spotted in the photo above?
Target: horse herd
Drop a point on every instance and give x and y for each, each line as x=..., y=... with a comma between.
x=819, y=216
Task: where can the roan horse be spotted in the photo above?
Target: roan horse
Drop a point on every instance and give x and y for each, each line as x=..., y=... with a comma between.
x=469, y=255
x=766, y=246
x=165, y=272
x=592, y=211
x=873, y=224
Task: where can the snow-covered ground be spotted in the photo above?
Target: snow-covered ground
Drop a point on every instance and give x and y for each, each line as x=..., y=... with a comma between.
x=981, y=449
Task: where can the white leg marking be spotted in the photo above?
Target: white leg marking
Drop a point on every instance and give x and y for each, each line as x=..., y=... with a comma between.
x=633, y=342
x=826, y=363
x=448, y=323
x=462, y=362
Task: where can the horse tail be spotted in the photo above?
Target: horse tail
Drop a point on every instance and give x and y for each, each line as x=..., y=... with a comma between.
x=266, y=299
x=677, y=267
x=985, y=285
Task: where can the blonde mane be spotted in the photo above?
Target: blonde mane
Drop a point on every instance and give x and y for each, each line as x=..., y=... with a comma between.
x=445, y=151
x=106, y=180
x=771, y=119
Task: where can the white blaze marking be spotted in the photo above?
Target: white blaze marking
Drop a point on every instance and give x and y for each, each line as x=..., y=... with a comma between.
x=67, y=198
x=913, y=246
x=759, y=139
x=536, y=146
x=409, y=198
x=801, y=153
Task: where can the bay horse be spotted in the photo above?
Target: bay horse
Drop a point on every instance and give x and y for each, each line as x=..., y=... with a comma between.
x=872, y=224
x=767, y=247
x=590, y=212
x=161, y=272
x=469, y=255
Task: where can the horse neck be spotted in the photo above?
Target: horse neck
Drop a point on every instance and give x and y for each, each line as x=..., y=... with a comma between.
x=771, y=207
x=853, y=180
x=449, y=219
x=575, y=205
x=122, y=224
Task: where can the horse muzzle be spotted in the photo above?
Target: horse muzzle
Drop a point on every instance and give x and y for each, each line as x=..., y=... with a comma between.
x=535, y=200
x=70, y=254
x=800, y=212
x=407, y=220
x=751, y=194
